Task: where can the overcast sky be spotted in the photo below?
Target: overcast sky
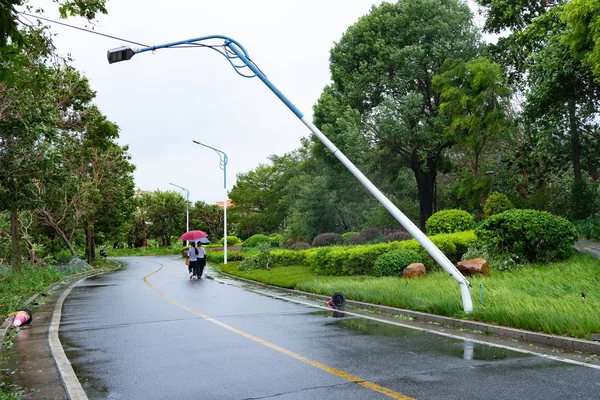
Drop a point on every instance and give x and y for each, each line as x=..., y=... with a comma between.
x=163, y=101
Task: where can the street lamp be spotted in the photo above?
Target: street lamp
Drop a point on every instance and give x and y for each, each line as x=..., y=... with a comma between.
x=223, y=164
x=239, y=59
x=187, y=212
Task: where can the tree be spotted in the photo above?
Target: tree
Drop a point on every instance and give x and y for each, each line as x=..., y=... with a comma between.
x=9, y=28
x=583, y=37
x=27, y=127
x=209, y=218
x=164, y=214
x=383, y=67
x=475, y=104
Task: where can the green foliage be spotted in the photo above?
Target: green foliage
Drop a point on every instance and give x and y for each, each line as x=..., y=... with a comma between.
x=166, y=211
x=584, y=201
x=583, y=37
x=255, y=240
x=359, y=260
x=496, y=203
x=217, y=256
x=284, y=258
x=16, y=288
x=258, y=260
x=497, y=261
x=393, y=263
x=231, y=241
x=276, y=239
x=535, y=236
x=589, y=228
x=287, y=277
x=521, y=299
x=347, y=235
x=449, y=221
x=327, y=239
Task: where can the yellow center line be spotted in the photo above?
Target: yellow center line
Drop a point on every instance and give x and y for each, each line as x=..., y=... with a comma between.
x=331, y=370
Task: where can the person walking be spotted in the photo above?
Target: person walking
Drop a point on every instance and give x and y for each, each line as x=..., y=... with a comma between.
x=201, y=260
x=193, y=258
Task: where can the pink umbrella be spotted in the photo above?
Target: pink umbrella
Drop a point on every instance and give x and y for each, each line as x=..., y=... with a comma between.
x=193, y=235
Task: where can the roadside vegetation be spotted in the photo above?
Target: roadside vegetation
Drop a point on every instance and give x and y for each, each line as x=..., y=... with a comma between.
x=537, y=297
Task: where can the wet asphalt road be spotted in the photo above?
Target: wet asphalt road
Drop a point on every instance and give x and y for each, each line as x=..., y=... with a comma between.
x=212, y=340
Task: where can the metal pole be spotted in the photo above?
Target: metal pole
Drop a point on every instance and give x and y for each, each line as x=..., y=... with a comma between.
x=187, y=212
x=122, y=54
x=223, y=165
x=427, y=244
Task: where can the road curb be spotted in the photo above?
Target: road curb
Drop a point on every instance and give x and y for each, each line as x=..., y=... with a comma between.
x=566, y=343
x=5, y=326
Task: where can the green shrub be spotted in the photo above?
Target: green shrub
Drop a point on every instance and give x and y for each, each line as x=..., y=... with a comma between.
x=396, y=237
x=276, y=239
x=496, y=261
x=359, y=260
x=347, y=235
x=286, y=258
x=495, y=204
x=327, y=239
x=393, y=263
x=231, y=241
x=449, y=221
x=254, y=240
x=589, y=228
x=535, y=236
x=261, y=259
x=300, y=246
x=583, y=200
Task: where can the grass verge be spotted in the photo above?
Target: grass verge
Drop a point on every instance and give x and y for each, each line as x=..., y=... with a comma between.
x=537, y=297
x=15, y=289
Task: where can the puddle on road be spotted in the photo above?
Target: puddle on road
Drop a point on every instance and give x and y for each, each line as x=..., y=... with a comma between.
x=420, y=341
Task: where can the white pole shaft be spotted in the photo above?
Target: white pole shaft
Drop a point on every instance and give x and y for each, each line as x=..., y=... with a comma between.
x=225, y=229
x=400, y=217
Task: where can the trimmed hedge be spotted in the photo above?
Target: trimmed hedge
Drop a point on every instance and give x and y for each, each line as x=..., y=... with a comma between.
x=536, y=236
x=449, y=221
x=231, y=241
x=393, y=263
x=254, y=240
x=496, y=203
x=360, y=260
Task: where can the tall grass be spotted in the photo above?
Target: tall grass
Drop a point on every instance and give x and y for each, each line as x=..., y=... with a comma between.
x=16, y=288
x=538, y=297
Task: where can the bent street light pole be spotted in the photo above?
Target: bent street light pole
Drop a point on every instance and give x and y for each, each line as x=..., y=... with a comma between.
x=187, y=213
x=223, y=164
x=234, y=52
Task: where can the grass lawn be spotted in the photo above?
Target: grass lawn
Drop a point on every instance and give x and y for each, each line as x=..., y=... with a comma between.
x=537, y=297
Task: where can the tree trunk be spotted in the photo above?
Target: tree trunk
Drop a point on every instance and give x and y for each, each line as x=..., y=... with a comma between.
x=575, y=142
x=50, y=221
x=16, y=243
x=89, y=236
x=426, y=186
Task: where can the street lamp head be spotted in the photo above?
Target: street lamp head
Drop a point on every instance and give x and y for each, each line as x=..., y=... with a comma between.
x=119, y=54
